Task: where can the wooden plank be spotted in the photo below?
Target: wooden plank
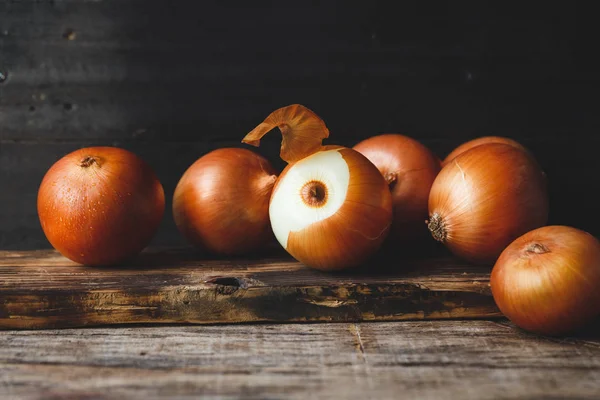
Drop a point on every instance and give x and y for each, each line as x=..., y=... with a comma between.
x=424, y=359
x=41, y=289
x=177, y=69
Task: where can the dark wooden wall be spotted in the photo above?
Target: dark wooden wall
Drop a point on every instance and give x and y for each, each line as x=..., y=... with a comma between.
x=173, y=80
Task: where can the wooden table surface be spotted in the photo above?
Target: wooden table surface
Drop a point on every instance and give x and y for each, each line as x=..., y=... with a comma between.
x=376, y=360
x=399, y=331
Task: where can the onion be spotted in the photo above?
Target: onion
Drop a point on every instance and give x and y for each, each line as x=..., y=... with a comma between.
x=486, y=198
x=331, y=208
x=410, y=169
x=547, y=281
x=478, y=142
x=100, y=205
x=221, y=202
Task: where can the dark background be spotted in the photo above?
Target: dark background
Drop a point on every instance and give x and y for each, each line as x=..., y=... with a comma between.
x=174, y=80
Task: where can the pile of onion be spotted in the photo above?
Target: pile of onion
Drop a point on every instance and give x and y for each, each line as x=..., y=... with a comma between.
x=485, y=198
x=409, y=168
x=100, y=205
x=330, y=208
x=221, y=203
x=548, y=280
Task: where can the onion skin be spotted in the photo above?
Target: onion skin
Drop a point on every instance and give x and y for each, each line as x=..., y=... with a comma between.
x=331, y=208
x=221, y=203
x=486, y=198
x=301, y=129
x=548, y=280
x=478, y=142
x=358, y=221
x=100, y=205
x=410, y=168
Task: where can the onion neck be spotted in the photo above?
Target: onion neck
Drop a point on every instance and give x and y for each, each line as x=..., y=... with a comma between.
x=391, y=178
x=437, y=227
x=88, y=161
x=537, y=248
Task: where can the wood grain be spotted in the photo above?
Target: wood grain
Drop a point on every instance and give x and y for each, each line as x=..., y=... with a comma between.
x=174, y=69
x=41, y=289
x=411, y=359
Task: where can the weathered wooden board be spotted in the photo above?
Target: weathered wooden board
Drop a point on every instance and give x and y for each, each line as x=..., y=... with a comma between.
x=411, y=359
x=41, y=289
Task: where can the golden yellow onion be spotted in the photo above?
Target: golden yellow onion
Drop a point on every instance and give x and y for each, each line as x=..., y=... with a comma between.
x=410, y=168
x=330, y=208
x=478, y=142
x=485, y=198
x=221, y=202
x=547, y=280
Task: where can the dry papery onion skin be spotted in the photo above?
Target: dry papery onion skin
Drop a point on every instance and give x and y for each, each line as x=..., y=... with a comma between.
x=484, y=199
x=301, y=129
x=547, y=281
x=221, y=202
x=100, y=205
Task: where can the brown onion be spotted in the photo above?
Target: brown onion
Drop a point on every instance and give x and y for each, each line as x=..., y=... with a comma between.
x=410, y=168
x=221, y=202
x=547, y=281
x=100, y=205
x=331, y=208
x=486, y=198
x=478, y=142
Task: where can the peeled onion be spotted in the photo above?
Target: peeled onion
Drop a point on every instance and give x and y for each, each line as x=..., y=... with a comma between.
x=331, y=208
x=221, y=203
x=486, y=198
x=478, y=142
x=548, y=280
x=410, y=168
x=100, y=205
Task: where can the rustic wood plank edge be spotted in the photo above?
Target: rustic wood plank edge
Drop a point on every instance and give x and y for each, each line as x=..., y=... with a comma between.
x=42, y=290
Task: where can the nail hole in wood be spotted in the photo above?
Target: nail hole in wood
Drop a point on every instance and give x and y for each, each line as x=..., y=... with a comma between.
x=69, y=34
